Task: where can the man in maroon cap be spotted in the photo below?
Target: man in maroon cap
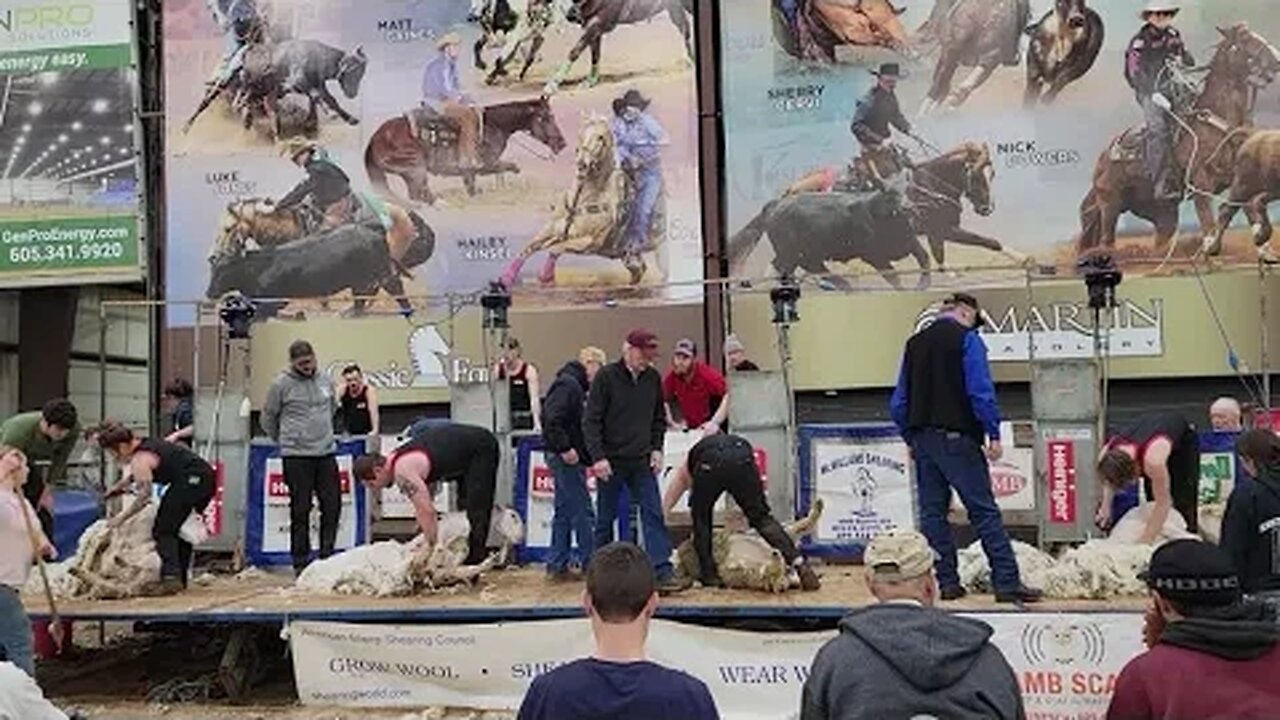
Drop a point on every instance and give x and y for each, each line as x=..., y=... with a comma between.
x=698, y=389
x=624, y=425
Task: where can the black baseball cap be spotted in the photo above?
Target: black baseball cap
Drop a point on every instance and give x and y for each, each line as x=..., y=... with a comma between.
x=1193, y=572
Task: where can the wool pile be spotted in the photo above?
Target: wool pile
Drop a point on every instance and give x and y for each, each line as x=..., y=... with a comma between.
x=390, y=568
x=1096, y=570
x=745, y=561
x=107, y=564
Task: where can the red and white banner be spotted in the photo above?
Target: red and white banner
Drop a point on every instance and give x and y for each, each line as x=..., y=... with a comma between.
x=1065, y=664
x=1061, y=454
x=275, y=535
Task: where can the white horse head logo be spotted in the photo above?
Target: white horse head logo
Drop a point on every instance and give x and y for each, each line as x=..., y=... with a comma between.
x=428, y=352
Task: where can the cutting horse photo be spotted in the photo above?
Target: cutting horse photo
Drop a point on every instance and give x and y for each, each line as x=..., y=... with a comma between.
x=593, y=216
x=813, y=29
x=1208, y=138
x=601, y=17
x=1064, y=46
x=515, y=26
x=422, y=143
x=979, y=34
x=933, y=196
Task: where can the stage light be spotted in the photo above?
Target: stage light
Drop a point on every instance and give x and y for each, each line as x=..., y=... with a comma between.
x=496, y=301
x=236, y=311
x=784, y=298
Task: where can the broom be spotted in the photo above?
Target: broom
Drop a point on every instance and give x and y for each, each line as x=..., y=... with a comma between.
x=55, y=622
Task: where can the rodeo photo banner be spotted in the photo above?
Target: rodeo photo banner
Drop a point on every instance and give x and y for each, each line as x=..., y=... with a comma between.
x=1066, y=664
x=69, y=191
x=320, y=148
x=1035, y=130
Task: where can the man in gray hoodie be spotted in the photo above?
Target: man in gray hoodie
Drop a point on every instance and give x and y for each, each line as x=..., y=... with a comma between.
x=904, y=658
x=298, y=415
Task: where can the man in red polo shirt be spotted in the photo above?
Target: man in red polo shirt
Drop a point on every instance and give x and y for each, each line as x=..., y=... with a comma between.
x=698, y=389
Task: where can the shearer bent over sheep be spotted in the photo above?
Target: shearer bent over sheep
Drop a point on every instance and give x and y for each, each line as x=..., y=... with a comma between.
x=190, y=485
x=466, y=454
x=723, y=463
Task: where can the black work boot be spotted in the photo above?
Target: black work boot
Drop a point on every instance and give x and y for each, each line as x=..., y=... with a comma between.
x=1021, y=594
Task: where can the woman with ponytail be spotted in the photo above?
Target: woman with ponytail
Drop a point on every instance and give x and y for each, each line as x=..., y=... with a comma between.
x=189, y=482
x=1251, y=526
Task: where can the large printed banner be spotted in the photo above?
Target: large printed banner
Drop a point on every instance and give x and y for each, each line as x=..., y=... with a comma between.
x=1066, y=664
x=69, y=196
x=267, y=530
x=318, y=147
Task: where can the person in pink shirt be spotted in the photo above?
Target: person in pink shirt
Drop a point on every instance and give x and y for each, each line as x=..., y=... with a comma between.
x=16, y=557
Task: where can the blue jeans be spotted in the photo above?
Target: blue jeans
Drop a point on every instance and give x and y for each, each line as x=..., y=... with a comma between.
x=15, y=631
x=642, y=486
x=790, y=9
x=648, y=187
x=946, y=460
x=574, y=515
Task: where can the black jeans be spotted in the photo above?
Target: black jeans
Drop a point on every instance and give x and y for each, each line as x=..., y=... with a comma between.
x=733, y=471
x=307, y=476
x=476, y=490
x=179, y=501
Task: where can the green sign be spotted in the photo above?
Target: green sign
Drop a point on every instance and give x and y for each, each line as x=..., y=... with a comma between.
x=70, y=176
x=1217, y=476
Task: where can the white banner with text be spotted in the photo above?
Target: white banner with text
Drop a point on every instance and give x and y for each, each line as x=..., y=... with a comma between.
x=1066, y=664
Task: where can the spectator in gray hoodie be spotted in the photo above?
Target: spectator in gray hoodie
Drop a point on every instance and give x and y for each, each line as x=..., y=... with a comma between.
x=903, y=657
x=298, y=415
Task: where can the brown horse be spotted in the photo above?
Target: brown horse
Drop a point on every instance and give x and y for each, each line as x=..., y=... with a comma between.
x=420, y=144
x=824, y=25
x=1205, y=146
x=1064, y=45
x=981, y=34
x=601, y=17
x=1255, y=185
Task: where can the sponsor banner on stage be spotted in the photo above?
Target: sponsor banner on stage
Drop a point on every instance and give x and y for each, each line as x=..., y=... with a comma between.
x=69, y=192
x=267, y=530
x=1066, y=664
x=862, y=474
x=444, y=153
x=1011, y=475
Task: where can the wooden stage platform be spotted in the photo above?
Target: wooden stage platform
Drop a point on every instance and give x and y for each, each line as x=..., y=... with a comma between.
x=519, y=594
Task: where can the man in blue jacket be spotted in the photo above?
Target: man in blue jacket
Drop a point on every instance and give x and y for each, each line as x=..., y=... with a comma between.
x=945, y=406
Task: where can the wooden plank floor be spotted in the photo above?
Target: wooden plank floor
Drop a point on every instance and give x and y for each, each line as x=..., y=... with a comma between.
x=520, y=593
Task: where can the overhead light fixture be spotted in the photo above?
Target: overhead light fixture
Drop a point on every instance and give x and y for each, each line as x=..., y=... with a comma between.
x=105, y=139
x=100, y=106
x=63, y=138
x=21, y=140
x=26, y=128
x=35, y=108
x=128, y=128
x=77, y=126
x=48, y=78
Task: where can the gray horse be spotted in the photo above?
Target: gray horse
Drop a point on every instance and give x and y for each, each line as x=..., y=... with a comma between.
x=981, y=34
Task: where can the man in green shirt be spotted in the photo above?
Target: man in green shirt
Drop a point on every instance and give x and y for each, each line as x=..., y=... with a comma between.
x=44, y=436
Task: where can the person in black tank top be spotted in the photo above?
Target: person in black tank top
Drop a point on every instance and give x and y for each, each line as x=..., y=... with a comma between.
x=465, y=454
x=525, y=391
x=1162, y=450
x=358, y=412
x=190, y=485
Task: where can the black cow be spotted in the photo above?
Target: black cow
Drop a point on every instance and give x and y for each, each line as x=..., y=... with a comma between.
x=352, y=257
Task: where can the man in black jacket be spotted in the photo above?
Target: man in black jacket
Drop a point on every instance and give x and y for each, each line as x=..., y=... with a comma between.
x=625, y=426
x=565, y=449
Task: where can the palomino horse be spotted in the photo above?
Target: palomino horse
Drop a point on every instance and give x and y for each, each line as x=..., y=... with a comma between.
x=592, y=218
x=823, y=25
x=419, y=144
x=1256, y=184
x=257, y=224
x=600, y=17
x=1205, y=146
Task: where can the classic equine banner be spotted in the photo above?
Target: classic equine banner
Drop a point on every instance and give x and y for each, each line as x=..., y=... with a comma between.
x=1066, y=664
x=325, y=147
x=69, y=197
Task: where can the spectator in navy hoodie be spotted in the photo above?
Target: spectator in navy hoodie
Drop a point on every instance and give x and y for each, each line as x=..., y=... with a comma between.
x=617, y=682
x=1251, y=526
x=1212, y=654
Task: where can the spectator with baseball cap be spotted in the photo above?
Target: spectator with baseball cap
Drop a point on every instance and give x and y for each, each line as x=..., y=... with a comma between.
x=735, y=355
x=1199, y=628
x=697, y=390
x=905, y=658
x=625, y=425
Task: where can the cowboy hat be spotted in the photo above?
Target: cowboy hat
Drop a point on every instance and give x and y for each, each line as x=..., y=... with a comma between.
x=1160, y=6
x=292, y=147
x=893, y=70
x=633, y=98
x=447, y=40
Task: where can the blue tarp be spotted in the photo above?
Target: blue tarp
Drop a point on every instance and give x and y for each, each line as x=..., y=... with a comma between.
x=73, y=512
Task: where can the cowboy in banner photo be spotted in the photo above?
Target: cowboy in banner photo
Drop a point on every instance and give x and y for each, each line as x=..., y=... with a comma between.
x=442, y=92
x=1157, y=44
x=639, y=139
x=877, y=114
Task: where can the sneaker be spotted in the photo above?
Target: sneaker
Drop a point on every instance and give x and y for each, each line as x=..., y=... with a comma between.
x=955, y=592
x=672, y=585
x=712, y=581
x=809, y=581
x=1020, y=594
